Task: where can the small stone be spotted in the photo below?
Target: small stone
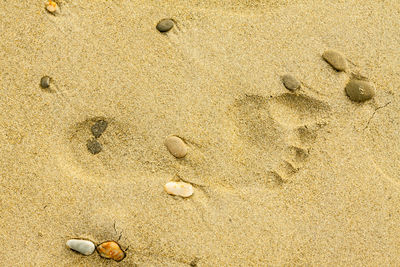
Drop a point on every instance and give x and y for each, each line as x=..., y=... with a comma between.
x=290, y=82
x=359, y=91
x=335, y=59
x=165, y=25
x=111, y=250
x=176, y=146
x=84, y=247
x=52, y=7
x=99, y=127
x=45, y=82
x=94, y=146
x=179, y=189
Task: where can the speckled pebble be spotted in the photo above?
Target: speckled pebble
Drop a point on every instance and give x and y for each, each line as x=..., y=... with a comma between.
x=179, y=189
x=94, y=146
x=45, y=82
x=176, y=146
x=98, y=128
x=335, y=59
x=111, y=250
x=359, y=91
x=165, y=25
x=84, y=247
x=290, y=82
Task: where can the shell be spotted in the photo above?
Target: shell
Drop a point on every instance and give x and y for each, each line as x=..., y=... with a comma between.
x=179, y=189
x=176, y=146
x=111, y=250
x=52, y=7
x=84, y=247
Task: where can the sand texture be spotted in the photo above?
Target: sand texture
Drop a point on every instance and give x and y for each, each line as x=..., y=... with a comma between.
x=281, y=177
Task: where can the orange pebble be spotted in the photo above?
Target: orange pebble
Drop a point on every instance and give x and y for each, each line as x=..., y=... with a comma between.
x=111, y=250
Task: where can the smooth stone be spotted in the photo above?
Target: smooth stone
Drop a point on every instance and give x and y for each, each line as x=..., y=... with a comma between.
x=335, y=59
x=176, y=146
x=165, y=25
x=111, y=250
x=94, y=146
x=179, y=189
x=84, y=247
x=99, y=127
x=52, y=7
x=290, y=82
x=45, y=82
x=359, y=91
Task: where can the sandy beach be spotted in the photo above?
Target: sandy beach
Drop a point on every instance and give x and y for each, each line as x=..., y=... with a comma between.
x=302, y=177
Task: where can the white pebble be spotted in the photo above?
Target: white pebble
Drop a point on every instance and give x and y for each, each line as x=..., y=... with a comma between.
x=179, y=189
x=84, y=247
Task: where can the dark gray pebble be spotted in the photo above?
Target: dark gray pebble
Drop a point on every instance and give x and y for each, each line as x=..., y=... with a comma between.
x=94, y=146
x=359, y=91
x=165, y=25
x=45, y=82
x=290, y=82
x=99, y=127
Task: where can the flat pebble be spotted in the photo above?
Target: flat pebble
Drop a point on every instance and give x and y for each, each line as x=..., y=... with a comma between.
x=84, y=247
x=98, y=128
x=165, y=25
x=290, y=82
x=179, y=189
x=94, y=146
x=176, y=146
x=111, y=250
x=359, y=91
x=335, y=59
x=45, y=82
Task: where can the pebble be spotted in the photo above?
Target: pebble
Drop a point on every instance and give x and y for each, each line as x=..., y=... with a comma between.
x=179, y=189
x=52, y=7
x=359, y=91
x=94, y=146
x=165, y=25
x=111, y=250
x=176, y=146
x=290, y=82
x=99, y=127
x=45, y=82
x=84, y=247
x=335, y=59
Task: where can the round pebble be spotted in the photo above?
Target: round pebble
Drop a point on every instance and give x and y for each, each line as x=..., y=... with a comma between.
x=45, y=82
x=359, y=91
x=94, y=146
x=52, y=7
x=84, y=247
x=335, y=59
x=176, y=146
x=179, y=189
x=111, y=250
x=290, y=82
x=165, y=25
x=98, y=128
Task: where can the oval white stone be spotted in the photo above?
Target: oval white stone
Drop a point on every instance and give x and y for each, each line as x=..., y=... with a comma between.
x=179, y=189
x=84, y=247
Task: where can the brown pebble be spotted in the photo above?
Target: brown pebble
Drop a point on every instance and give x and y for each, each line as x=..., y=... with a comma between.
x=290, y=82
x=45, y=82
x=165, y=25
x=111, y=250
x=359, y=91
x=335, y=59
x=99, y=127
x=176, y=146
x=94, y=146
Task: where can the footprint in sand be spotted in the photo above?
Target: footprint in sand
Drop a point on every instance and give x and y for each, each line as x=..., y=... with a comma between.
x=280, y=130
